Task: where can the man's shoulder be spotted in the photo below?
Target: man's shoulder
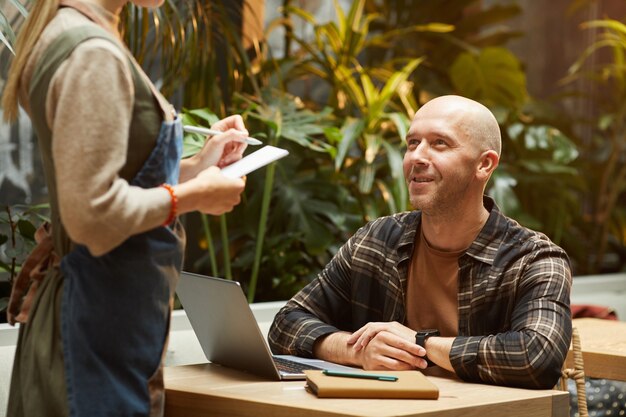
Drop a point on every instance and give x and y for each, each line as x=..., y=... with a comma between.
x=526, y=238
x=394, y=222
x=393, y=229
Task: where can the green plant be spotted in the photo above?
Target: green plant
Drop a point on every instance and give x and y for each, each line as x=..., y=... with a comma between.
x=538, y=182
x=307, y=213
x=7, y=25
x=372, y=101
x=604, y=163
x=476, y=26
x=492, y=76
x=195, y=46
x=275, y=118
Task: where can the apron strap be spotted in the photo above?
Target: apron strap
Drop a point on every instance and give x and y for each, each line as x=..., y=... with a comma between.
x=49, y=62
x=145, y=97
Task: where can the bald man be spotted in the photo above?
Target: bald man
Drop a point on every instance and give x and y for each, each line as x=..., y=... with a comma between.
x=453, y=284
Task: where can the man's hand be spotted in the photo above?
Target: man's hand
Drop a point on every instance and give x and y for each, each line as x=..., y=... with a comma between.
x=438, y=348
x=362, y=337
x=384, y=350
x=387, y=345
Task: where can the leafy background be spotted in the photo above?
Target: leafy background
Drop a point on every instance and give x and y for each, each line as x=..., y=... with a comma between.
x=339, y=95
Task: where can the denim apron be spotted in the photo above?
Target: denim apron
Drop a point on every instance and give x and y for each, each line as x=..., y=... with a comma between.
x=115, y=309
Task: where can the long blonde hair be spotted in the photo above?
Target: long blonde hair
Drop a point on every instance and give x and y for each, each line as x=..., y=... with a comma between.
x=39, y=16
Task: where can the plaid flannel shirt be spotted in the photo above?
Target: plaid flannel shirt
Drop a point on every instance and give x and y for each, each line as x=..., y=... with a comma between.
x=513, y=299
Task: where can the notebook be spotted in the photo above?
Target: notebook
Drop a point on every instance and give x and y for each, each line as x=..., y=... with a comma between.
x=228, y=333
x=410, y=384
x=253, y=161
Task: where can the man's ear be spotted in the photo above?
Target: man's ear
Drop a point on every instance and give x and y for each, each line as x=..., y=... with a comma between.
x=487, y=164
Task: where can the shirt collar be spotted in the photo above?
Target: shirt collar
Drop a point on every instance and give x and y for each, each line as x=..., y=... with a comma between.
x=483, y=249
x=486, y=245
x=407, y=240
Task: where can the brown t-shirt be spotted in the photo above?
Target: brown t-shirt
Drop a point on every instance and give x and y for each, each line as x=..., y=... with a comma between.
x=432, y=288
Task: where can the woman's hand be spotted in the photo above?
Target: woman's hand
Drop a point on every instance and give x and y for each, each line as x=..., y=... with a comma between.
x=210, y=192
x=220, y=150
x=232, y=150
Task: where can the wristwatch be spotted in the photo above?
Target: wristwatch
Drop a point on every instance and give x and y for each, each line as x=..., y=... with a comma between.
x=420, y=339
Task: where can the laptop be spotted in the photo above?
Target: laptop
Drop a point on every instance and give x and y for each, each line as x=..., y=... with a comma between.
x=228, y=333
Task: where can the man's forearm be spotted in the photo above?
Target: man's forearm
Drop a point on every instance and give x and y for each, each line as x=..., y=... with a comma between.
x=438, y=351
x=334, y=348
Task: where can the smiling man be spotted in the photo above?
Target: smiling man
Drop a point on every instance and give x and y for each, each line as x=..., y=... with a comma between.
x=454, y=283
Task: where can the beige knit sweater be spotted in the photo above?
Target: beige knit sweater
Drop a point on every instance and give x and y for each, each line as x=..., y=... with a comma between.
x=89, y=107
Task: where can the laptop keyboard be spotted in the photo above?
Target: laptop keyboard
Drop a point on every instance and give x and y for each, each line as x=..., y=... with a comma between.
x=291, y=367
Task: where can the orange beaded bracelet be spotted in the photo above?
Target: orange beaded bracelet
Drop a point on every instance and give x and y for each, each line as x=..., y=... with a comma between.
x=173, y=204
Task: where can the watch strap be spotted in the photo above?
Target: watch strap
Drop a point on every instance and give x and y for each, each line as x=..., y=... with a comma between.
x=420, y=339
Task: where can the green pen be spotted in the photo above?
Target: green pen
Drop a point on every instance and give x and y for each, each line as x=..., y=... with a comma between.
x=377, y=377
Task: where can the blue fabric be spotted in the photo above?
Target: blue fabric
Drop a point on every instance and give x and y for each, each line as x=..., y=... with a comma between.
x=605, y=397
x=115, y=309
x=163, y=164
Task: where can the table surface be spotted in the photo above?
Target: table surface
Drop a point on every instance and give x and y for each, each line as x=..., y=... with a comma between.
x=210, y=389
x=603, y=343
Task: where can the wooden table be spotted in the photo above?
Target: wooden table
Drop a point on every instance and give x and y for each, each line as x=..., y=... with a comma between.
x=603, y=343
x=212, y=390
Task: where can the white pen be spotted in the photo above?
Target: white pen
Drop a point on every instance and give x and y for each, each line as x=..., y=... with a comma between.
x=211, y=132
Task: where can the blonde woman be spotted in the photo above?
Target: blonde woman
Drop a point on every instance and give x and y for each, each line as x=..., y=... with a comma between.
x=94, y=297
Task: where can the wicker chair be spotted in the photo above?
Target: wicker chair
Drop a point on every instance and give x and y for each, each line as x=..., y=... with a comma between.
x=577, y=374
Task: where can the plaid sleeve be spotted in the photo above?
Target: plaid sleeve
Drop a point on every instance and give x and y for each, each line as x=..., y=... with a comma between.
x=326, y=299
x=531, y=353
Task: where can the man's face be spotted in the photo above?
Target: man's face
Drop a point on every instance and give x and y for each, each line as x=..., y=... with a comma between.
x=440, y=161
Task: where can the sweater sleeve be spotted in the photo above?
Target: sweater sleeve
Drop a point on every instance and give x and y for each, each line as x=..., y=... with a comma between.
x=89, y=107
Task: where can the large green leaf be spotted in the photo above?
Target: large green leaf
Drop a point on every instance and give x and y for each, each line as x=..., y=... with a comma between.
x=385, y=39
x=611, y=24
x=288, y=119
x=391, y=88
x=402, y=123
x=193, y=142
x=7, y=35
x=307, y=214
x=6, y=42
x=20, y=8
x=367, y=175
x=542, y=139
x=350, y=131
x=395, y=159
x=372, y=145
x=387, y=196
x=504, y=195
x=494, y=76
